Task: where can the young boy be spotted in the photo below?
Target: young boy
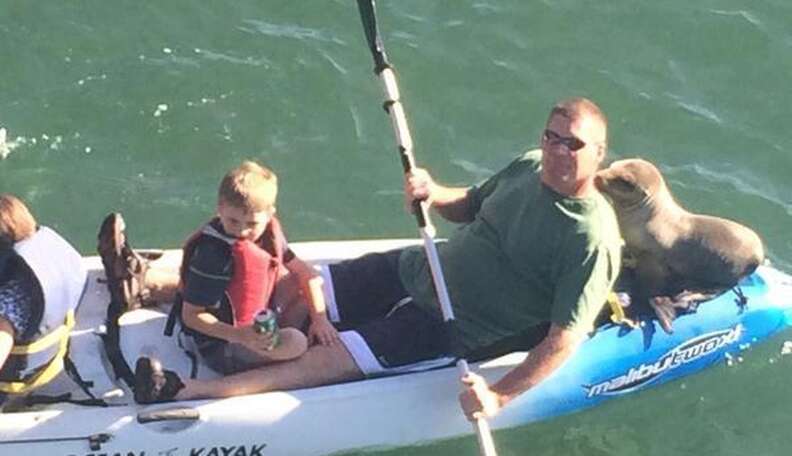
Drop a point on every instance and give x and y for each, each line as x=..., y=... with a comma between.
x=230, y=269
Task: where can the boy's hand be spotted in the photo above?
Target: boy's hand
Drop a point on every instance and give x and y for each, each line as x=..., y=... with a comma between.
x=322, y=331
x=254, y=340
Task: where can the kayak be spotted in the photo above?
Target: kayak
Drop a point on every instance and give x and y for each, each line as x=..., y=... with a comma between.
x=379, y=412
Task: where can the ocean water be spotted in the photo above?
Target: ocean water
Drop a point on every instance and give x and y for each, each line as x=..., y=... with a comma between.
x=140, y=107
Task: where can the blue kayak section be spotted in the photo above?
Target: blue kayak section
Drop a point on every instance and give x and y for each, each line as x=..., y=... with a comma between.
x=617, y=360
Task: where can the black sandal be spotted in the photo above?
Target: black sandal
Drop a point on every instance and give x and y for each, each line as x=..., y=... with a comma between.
x=124, y=268
x=154, y=384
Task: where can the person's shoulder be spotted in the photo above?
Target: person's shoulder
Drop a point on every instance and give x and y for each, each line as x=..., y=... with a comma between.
x=209, y=252
x=531, y=159
x=48, y=234
x=602, y=224
x=592, y=217
x=211, y=233
x=529, y=162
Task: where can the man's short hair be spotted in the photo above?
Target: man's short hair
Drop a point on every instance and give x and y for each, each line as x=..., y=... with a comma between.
x=16, y=221
x=249, y=186
x=576, y=107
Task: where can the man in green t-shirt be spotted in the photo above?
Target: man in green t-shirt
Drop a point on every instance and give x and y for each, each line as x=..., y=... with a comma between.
x=540, y=244
x=538, y=247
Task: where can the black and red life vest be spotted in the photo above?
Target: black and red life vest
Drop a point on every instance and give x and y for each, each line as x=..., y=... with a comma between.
x=256, y=268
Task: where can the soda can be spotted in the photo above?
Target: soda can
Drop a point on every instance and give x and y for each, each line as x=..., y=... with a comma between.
x=266, y=321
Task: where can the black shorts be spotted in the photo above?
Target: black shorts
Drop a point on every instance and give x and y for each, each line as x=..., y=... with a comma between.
x=228, y=358
x=384, y=331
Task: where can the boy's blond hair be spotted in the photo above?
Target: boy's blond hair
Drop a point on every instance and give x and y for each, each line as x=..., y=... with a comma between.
x=16, y=221
x=249, y=186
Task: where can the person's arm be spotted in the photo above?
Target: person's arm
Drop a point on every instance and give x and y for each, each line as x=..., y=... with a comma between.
x=311, y=283
x=199, y=319
x=450, y=202
x=6, y=340
x=480, y=400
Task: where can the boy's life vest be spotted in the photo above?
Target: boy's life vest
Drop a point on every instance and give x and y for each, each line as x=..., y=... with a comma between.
x=59, y=280
x=255, y=269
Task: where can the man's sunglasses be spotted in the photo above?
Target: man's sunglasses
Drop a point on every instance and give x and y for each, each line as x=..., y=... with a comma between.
x=571, y=142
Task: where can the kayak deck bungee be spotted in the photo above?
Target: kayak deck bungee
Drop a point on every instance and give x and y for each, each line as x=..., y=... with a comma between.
x=387, y=411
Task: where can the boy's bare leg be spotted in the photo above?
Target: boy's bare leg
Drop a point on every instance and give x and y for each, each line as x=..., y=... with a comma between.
x=320, y=365
x=292, y=344
x=162, y=284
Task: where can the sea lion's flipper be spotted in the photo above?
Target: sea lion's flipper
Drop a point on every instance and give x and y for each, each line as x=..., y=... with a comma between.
x=666, y=308
x=664, y=311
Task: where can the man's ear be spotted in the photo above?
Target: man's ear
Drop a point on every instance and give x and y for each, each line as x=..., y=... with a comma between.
x=602, y=148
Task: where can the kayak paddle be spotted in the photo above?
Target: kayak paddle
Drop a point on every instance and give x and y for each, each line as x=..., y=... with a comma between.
x=393, y=106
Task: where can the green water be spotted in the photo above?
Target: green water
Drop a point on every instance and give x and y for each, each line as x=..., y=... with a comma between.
x=701, y=88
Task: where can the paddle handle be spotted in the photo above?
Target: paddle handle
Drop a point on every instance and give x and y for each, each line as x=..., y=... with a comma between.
x=486, y=443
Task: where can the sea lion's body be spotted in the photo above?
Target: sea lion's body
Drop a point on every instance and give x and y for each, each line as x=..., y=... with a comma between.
x=675, y=250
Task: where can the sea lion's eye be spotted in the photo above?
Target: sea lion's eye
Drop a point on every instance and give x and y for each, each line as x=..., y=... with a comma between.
x=623, y=185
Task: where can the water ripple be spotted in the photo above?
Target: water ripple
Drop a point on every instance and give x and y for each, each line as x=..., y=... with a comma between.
x=410, y=39
x=171, y=59
x=743, y=14
x=505, y=65
x=477, y=171
x=186, y=61
x=676, y=70
x=356, y=122
x=5, y=147
x=288, y=31
x=335, y=64
x=212, y=55
x=486, y=8
x=742, y=185
x=55, y=142
x=414, y=18
x=696, y=109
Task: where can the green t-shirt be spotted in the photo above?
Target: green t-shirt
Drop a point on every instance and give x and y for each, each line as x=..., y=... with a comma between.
x=529, y=256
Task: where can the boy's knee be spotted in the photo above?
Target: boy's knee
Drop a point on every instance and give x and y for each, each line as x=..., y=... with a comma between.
x=293, y=344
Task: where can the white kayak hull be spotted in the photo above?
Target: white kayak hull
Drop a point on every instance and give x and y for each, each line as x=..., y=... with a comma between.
x=380, y=412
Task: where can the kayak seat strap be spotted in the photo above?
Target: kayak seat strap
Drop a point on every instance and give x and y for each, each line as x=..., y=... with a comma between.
x=111, y=341
x=742, y=300
x=170, y=326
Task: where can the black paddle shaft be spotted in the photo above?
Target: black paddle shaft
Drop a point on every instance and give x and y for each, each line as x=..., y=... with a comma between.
x=369, y=18
x=381, y=63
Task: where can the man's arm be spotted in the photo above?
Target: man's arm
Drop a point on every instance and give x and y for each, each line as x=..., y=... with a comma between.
x=479, y=399
x=450, y=202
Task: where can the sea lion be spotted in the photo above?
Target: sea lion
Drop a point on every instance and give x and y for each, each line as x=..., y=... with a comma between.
x=678, y=255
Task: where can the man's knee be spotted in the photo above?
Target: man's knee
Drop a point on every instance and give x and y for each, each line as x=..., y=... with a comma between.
x=330, y=364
